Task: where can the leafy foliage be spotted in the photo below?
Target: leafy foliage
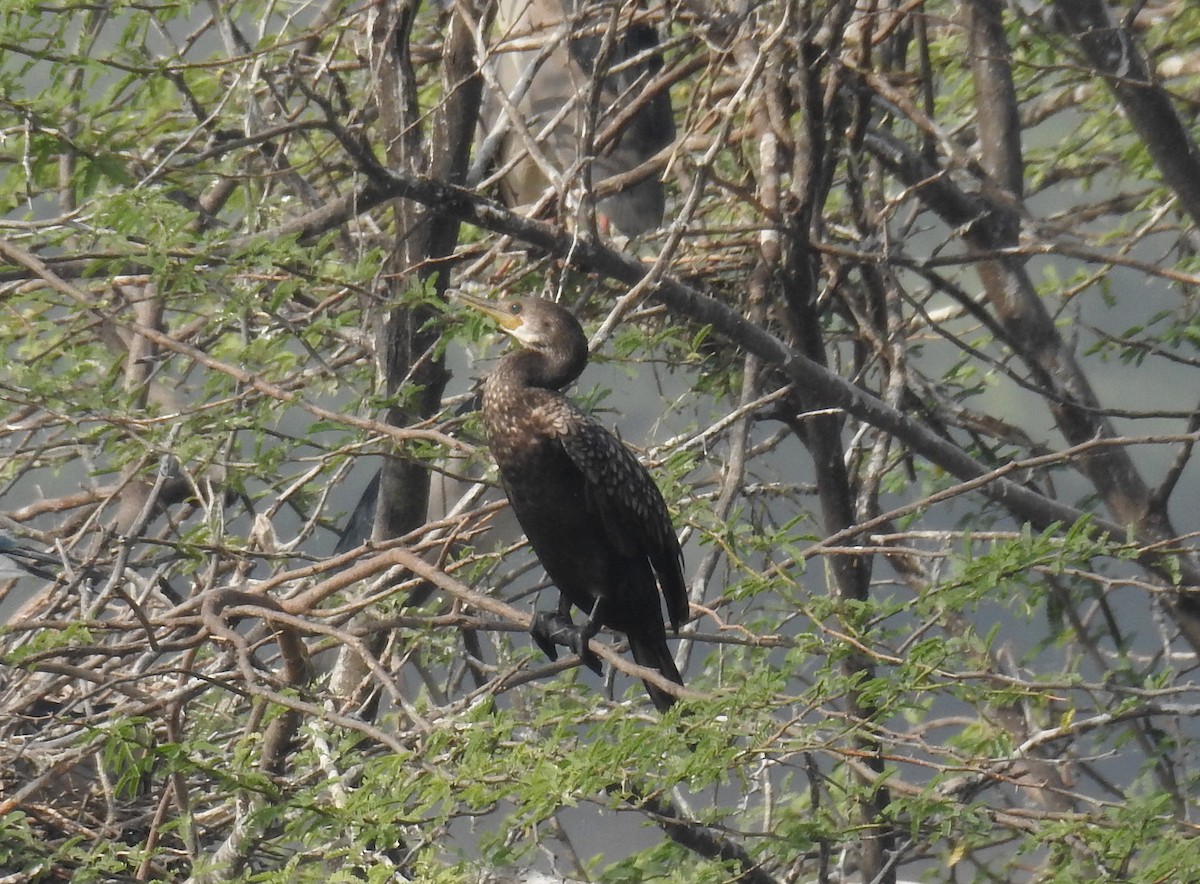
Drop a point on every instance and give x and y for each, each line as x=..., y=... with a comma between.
x=944, y=600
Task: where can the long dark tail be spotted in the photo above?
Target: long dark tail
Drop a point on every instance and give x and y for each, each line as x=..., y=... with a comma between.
x=656, y=655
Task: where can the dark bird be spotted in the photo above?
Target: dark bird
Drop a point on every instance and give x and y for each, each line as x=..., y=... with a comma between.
x=591, y=511
x=548, y=83
x=17, y=560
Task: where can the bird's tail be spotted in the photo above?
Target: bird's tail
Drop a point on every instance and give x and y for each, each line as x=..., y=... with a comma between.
x=656, y=655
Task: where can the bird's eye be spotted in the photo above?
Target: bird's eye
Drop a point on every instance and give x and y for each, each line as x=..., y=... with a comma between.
x=514, y=308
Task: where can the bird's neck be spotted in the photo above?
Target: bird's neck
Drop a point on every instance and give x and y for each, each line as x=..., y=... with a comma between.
x=532, y=368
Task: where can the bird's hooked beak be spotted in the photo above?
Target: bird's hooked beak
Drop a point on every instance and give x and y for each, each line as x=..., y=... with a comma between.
x=508, y=321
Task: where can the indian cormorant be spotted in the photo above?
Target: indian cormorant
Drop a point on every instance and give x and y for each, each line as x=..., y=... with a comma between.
x=591, y=511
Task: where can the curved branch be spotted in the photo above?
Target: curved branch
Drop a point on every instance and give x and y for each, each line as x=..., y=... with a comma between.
x=687, y=301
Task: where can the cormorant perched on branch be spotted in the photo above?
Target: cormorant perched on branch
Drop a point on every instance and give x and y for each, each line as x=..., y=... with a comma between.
x=591, y=512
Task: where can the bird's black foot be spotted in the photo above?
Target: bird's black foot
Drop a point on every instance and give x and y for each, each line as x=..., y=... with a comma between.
x=547, y=626
x=553, y=628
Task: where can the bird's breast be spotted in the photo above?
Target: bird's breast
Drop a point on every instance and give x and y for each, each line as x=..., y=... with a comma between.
x=519, y=423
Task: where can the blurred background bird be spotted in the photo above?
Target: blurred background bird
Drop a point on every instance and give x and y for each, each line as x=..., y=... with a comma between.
x=552, y=55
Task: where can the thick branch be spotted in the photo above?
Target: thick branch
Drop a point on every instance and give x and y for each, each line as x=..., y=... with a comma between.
x=1110, y=49
x=702, y=840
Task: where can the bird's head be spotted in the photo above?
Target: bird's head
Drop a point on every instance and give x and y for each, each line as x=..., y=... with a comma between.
x=543, y=327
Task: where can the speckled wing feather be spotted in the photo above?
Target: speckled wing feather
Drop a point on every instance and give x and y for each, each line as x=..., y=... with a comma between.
x=629, y=505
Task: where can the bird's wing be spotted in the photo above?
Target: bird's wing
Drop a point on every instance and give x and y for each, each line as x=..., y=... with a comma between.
x=622, y=494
